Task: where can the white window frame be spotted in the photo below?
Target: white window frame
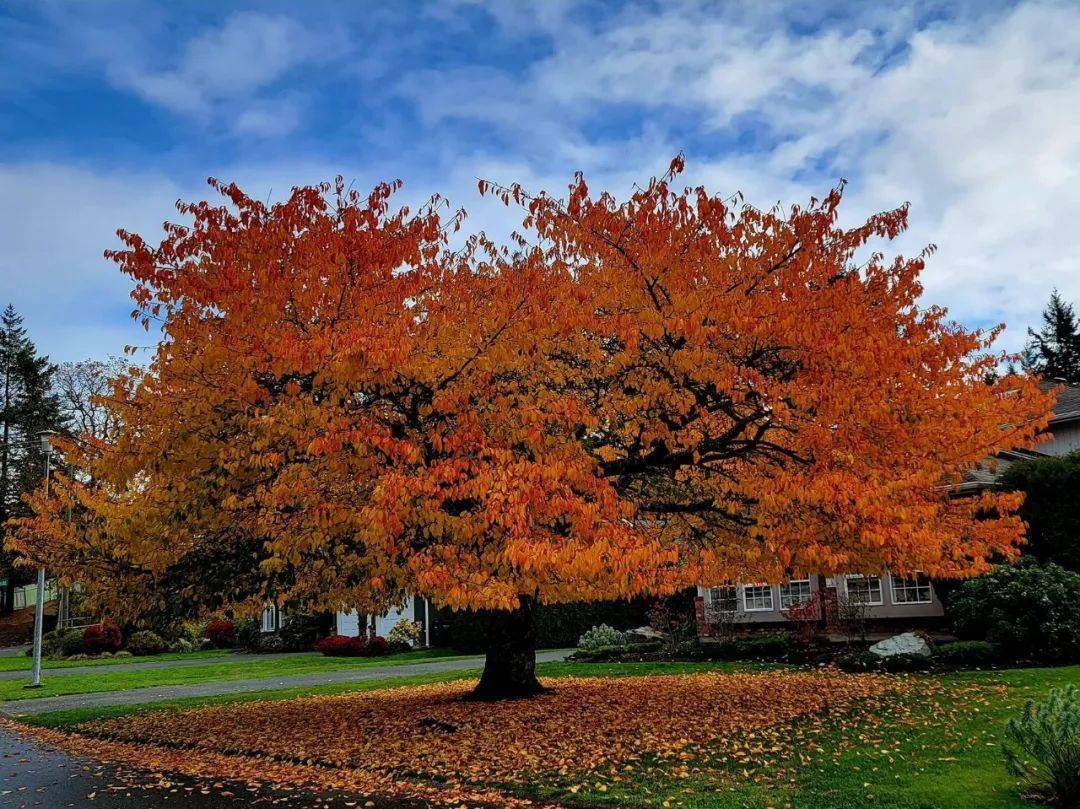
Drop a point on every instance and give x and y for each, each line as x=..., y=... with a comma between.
x=790, y=602
x=272, y=612
x=880, y=589
x=911, y=584
x=746, y=601
x=713, y=599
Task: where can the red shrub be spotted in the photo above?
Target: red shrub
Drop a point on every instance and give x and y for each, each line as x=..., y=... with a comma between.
x=221, y=633
x=341, y=646
x=99, y=638
x=376, y=647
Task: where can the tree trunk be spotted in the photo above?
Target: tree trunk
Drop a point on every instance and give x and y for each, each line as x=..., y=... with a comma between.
x=510, y=666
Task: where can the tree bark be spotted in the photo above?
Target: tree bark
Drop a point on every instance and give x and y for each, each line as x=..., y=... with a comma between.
x=510, y=665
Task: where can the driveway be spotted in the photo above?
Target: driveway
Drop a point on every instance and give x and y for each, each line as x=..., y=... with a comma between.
x=139, y=696
x=34, y=775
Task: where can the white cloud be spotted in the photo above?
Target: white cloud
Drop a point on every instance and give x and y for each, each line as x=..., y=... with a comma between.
x=225, y=73
x=974, y=120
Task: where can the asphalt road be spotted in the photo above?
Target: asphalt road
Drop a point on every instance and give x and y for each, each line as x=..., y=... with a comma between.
x=32, y=775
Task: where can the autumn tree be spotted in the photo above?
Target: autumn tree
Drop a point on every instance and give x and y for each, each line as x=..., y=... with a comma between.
x=631, y=398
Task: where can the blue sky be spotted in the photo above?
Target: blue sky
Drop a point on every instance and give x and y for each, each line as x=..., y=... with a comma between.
x=112, y=111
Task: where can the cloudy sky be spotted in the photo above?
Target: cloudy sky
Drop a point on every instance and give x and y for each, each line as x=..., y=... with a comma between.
x=110, y=112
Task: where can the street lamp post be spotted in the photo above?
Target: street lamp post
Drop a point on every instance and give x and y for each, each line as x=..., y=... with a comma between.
x=39, y=609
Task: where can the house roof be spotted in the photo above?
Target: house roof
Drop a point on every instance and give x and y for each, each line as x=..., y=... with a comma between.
x=1067, y=407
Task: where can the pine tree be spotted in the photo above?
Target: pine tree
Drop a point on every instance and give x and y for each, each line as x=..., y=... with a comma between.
x=1054, y=351
x=27, y=406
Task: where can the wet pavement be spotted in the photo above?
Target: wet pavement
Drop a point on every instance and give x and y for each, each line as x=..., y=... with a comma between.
x=32, y=775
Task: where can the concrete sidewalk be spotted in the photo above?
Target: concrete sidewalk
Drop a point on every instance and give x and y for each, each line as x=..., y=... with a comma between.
x=31, y=707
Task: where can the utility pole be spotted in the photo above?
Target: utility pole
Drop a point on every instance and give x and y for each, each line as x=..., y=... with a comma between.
x=39, y=608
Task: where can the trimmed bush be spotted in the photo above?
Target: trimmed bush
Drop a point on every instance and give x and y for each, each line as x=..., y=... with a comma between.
x=248, y=634
x=182, y=645
x=222, y=634
x=99, y=638
x=271, y=643
x=599, y=637
x=145, y=642
x=71, y=643
x=968, y=653
x=1042, y=746
x=341, y=646
x=766, y=645
x=299, y=631
x=1031, y=612
x=868, y=661
x=375, y=647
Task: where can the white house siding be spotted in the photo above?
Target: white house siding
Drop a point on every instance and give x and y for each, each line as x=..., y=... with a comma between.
x=349, y=623
x=1066, y=439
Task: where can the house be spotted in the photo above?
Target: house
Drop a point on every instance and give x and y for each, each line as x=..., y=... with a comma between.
x=888, y=601
x=415, y=608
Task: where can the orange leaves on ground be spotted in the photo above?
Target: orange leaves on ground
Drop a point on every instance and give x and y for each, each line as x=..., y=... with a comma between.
x=404, y=741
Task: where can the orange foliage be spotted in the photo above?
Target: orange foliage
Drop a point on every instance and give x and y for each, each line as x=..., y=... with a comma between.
x=652, y=393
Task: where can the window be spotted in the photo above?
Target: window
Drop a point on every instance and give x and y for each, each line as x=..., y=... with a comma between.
x=271, y=619
x=724, y=599
x=795, y=591
x=757, y=597
x=914, y=590
x=864, y=589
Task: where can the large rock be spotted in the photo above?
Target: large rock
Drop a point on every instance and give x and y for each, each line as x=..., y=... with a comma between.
x=906, y=644
x=644, y=634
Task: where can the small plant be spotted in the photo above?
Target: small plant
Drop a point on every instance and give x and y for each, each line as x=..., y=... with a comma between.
x=221, y=633
x=805, y=615
x=1042, y=746
x=99, y=638
x=405, y=635
x=678, y=626
x=599, y=637
x=761, y=646
x=145, y=642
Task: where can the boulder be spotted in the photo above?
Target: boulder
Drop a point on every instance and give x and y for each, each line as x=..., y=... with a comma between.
x=906, y=644
x=644, y=634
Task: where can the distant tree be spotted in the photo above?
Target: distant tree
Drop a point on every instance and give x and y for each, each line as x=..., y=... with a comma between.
x=1053, y=352
x=83, y=388
x=1051, y=508
x=27, y=406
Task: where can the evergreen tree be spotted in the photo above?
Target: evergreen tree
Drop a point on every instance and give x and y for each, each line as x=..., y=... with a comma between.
x=1054, y=351
x=27, y=406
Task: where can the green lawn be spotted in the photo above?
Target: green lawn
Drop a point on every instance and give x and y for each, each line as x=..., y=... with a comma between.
x=218, y=668
x=943, y=753
x=24, y=663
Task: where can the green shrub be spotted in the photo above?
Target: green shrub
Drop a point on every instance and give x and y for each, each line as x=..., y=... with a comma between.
x=968, y=653
x=1031, y=612
x=271, y=643
x=145, y=642
x=50, y=644
x=864, y=660
x=71, y=643
x=181, y=645
x=766, y=645
x=601, y=636
x=299, y=631
x=1042, y=746
x=615, y=654
x=247, y=634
